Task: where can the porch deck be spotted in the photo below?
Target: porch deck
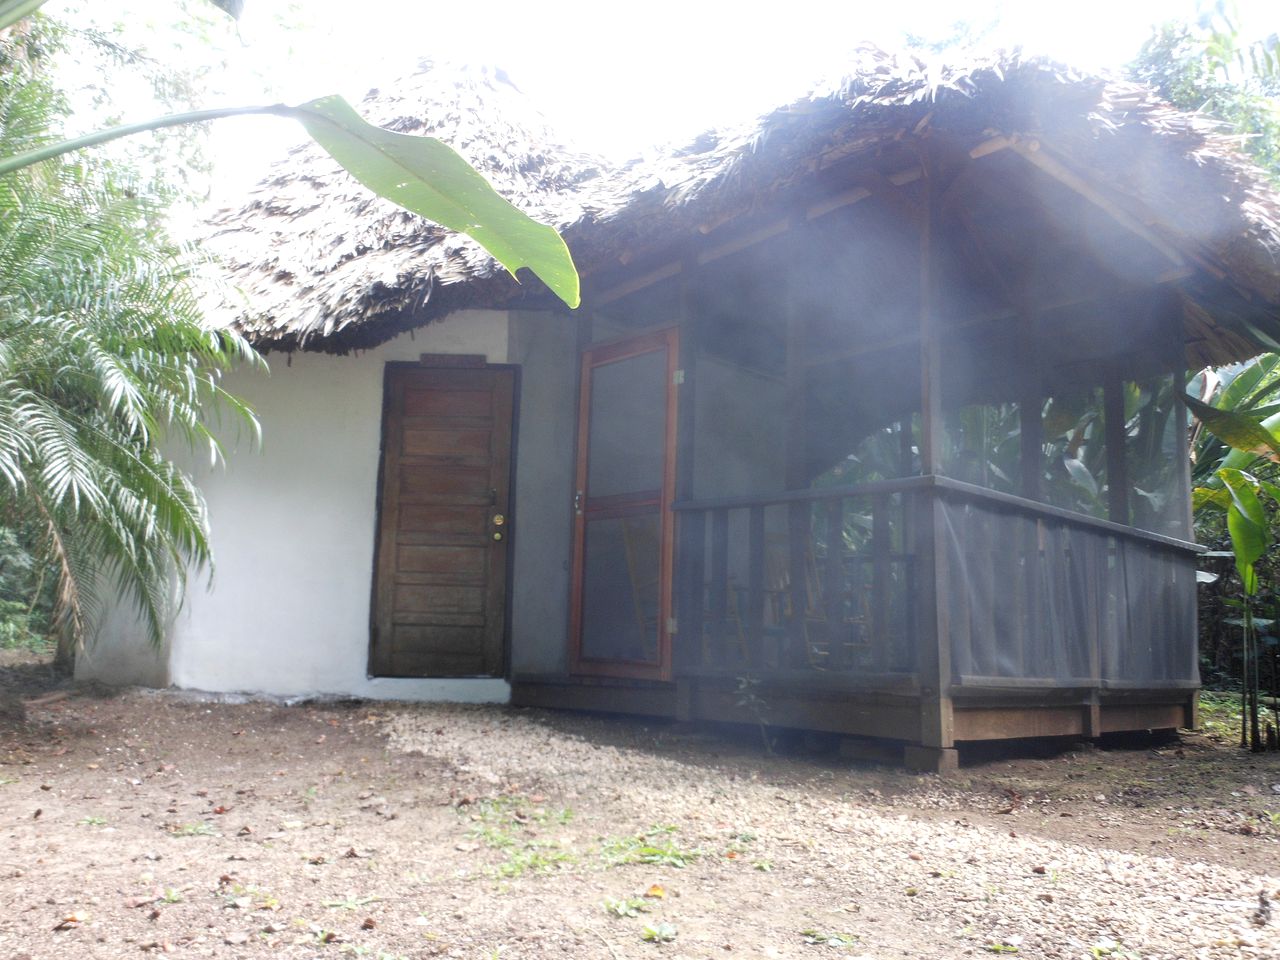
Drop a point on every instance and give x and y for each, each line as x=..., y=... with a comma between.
x=863, y=609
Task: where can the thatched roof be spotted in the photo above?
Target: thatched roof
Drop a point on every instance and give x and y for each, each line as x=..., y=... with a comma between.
x=323, y=263
x=325, y=266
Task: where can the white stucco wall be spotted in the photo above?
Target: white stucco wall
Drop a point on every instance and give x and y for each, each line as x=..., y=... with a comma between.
x=545, y=346
x=293, y=537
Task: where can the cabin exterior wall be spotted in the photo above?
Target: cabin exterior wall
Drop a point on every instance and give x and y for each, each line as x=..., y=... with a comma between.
x=740, y=426
x=544, y=345
x=293, y=529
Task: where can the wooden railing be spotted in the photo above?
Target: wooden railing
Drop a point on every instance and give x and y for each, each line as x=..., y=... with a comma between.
x=1037, y=596
x=800, y=582
x=826, y=581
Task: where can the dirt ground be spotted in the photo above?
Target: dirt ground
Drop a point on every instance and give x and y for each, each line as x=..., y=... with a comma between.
x=140, y=822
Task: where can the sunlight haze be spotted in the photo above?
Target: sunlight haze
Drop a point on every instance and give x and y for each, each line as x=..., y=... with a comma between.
x=616, y=81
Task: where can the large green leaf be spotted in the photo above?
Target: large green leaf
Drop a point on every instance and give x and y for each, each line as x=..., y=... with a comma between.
x=1237, y=430
x=232, y=8
x=426, y=176
x=1248, y=542
x=1210, y=496
x=1081, y=474
x=11, y=11
x=1246, y=524
x=1244, y=495
x=1250, y=385
x=422, y=174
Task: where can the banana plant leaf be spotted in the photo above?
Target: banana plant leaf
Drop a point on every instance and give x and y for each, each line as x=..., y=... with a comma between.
x=1244, y=433
x=1246, y=524
x=11, y=11
x=1203, y=496
x=426, y=176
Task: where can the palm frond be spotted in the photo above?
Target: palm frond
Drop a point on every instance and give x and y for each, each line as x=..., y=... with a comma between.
x=105, y=360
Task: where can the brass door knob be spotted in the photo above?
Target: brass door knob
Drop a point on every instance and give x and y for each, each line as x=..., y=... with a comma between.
x=499, y=519
x=497, y=534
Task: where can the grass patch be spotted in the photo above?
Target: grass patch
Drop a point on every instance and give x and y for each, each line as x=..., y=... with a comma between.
x=1220, y=713
x=654, y=846
x=537, y=856
x=350, y=902
x=630, y=907
x=192, y=830
x=827, y=939
x=510, y=823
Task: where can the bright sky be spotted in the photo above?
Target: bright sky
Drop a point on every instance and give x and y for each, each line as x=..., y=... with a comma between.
x=616, y=77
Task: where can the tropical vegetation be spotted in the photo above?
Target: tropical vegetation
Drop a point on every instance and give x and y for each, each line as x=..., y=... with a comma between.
x=1206, y=67
x=104, y=360
x=421, y=174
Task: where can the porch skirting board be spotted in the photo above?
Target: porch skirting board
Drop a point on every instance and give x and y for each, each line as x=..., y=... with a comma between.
x=887, y=716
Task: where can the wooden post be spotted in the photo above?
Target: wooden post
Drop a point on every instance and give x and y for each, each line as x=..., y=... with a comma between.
x=1117, y=465
x=1030, y=619
x=584, y=319
x=1182, y=452
x=800, y=513
x=1091, y=555
x=1030, y=409
x=690, y=528
x=937, y=745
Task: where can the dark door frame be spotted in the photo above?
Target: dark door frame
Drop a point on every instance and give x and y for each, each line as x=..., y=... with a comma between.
x=594, y=355
x=445, y=362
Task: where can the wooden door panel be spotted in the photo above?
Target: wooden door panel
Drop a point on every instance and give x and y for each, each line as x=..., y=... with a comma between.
x=440, y=579
x=439, y=598
x=447, y=401
x=463, y=522
x=453, y=446
x=452, y=564
x=442, y=483
x=435, y=651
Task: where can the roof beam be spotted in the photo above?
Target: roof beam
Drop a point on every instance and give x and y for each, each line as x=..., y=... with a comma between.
x=991, y=319
x=742, y=241
x=1039, y=158
x=664, y=272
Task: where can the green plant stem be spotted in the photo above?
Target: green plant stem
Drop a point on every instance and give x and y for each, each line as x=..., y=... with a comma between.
x=26, y=159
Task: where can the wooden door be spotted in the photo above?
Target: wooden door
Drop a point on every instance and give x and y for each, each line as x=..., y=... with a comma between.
x=440, y=579
x=623, y=527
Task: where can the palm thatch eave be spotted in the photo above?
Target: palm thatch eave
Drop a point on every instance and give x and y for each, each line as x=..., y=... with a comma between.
x=325, y=267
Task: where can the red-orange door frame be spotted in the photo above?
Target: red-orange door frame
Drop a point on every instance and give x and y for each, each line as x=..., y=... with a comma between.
x=585, y=509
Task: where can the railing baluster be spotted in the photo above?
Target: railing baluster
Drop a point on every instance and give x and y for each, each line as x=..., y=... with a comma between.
x=690, y=608
x=755, y=586
x=879, y=625
x=833, y=586
x=799, y=548
x=718, y=589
